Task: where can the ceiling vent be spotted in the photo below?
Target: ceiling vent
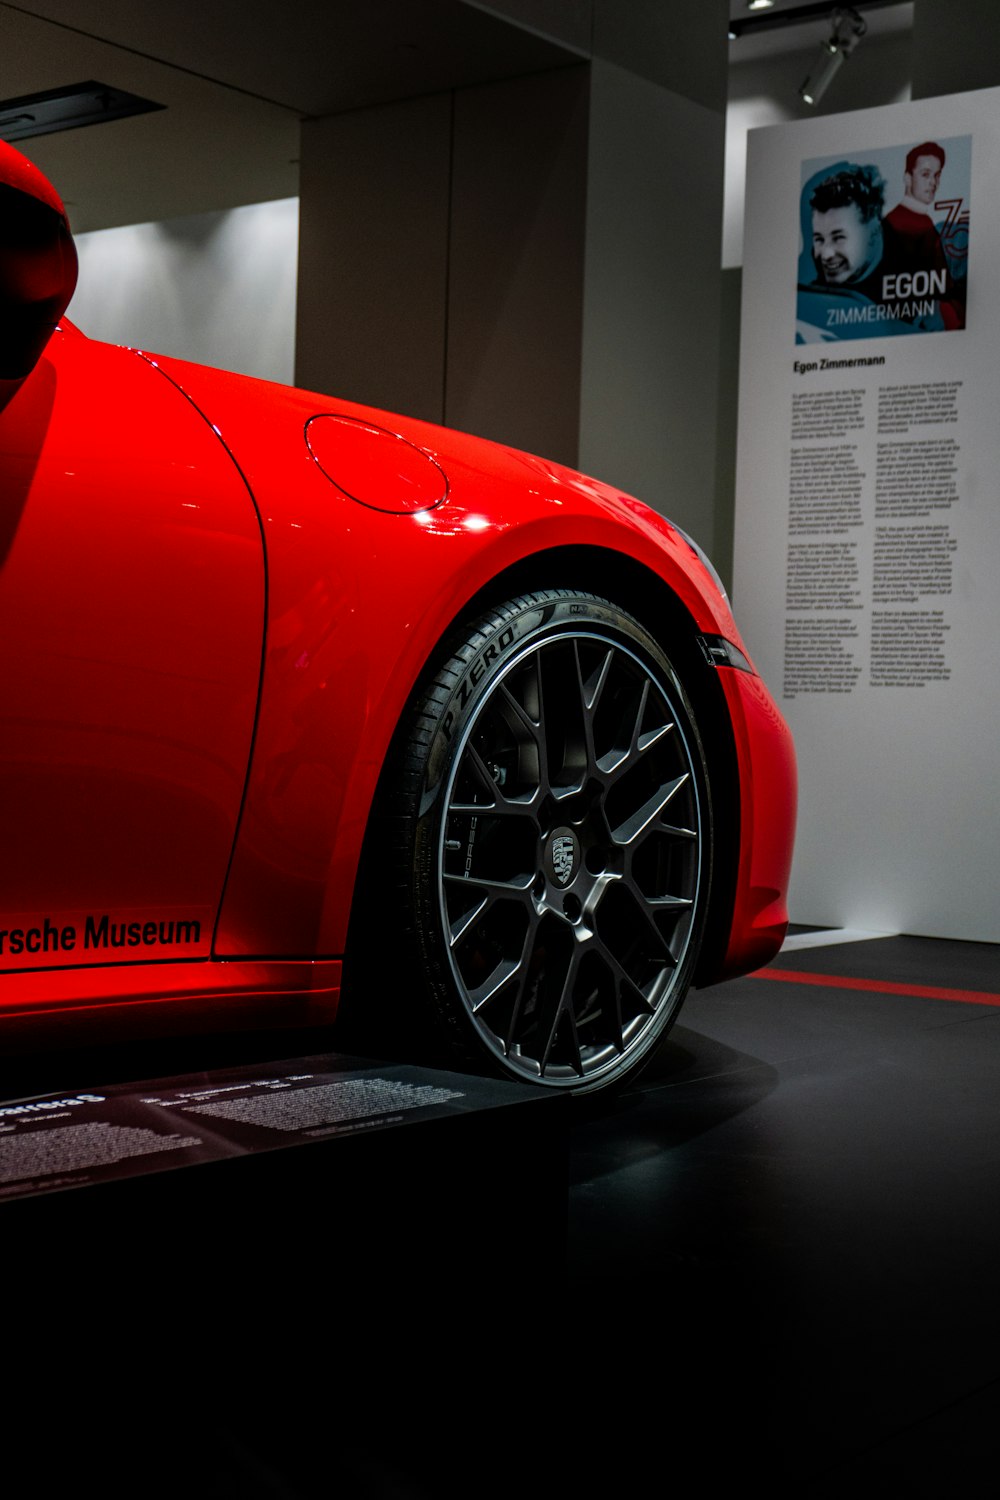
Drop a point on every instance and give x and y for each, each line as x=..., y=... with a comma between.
x=68, y=108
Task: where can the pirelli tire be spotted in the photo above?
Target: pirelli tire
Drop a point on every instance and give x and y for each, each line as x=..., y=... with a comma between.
x=552, y=843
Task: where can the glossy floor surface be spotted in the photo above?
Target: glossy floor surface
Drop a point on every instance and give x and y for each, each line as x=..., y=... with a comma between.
x=780, y=1273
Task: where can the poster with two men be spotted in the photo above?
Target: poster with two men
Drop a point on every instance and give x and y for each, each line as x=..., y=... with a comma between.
x=884, y=242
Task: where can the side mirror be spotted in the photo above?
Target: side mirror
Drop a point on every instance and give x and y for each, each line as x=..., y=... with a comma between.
x=38, y=266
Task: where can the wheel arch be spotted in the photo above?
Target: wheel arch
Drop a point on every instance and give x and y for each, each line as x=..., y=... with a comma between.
x=650, y=599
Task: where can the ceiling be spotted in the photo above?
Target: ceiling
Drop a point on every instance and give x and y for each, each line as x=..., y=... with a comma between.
x=236, y=85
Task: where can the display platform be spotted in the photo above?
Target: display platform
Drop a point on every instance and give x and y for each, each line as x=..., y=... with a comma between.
x=220, y=1201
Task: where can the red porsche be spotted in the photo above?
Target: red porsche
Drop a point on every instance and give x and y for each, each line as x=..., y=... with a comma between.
x=308, y=709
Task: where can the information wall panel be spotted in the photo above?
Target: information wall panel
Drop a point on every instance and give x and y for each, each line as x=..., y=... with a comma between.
x=867, y=544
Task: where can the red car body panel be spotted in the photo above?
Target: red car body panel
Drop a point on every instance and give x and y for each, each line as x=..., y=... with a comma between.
x=358, y=599
x=768, y=784
x=132, y=616
x=217, y=596
x=175, y=524
x=154, y=997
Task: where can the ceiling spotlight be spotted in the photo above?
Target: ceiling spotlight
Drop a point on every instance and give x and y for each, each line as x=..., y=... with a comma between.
x=759, y=4
x=848, y=29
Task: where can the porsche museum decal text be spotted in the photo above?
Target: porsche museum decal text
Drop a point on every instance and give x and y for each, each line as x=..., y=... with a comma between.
x=98, y=933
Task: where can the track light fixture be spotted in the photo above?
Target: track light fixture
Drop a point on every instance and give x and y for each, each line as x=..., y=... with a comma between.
x=847, y=30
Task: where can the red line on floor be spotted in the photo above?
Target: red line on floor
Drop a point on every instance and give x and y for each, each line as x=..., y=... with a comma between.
x=882, y=986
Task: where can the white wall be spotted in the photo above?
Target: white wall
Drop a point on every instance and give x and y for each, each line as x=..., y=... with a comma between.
x=215, y=288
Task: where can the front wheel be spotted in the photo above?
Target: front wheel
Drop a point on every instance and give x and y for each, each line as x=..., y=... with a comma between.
x=553, y=841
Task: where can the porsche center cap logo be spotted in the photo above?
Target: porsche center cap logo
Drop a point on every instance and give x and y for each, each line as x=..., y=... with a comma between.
x=564, y=854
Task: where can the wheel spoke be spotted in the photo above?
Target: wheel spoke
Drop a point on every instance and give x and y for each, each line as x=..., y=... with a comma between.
x=617, y=762
x=495, y=889
x=458, y=929
x=652, y=737
x=523, y=806
x=492, y=891
x=675, y=831
x=492, y=986
x=625, y=985
x=520, y=713
x=503, y=807
x=630, y=829
x=639, y=716
x=562, y=1012
x=590, y=696
x=658, y=949
x=565, y=724
x=668, y=903
x=481, y=772
x=523, y=971
x=591, y=690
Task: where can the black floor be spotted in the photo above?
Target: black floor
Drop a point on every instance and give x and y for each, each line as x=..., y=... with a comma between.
x=781, y=1271
x=804, y=1208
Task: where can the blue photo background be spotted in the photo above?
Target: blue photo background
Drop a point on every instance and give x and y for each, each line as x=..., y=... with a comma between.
x=827, y=313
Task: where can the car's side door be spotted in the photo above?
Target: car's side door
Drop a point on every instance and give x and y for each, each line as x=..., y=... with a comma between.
x=132, y=594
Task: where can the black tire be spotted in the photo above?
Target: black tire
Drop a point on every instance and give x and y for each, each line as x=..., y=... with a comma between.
x=548, y=818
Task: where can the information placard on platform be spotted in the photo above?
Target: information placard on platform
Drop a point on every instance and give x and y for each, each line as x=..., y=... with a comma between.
x=72, y=1140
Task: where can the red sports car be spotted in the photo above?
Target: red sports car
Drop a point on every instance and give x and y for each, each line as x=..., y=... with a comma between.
x=301, y=699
